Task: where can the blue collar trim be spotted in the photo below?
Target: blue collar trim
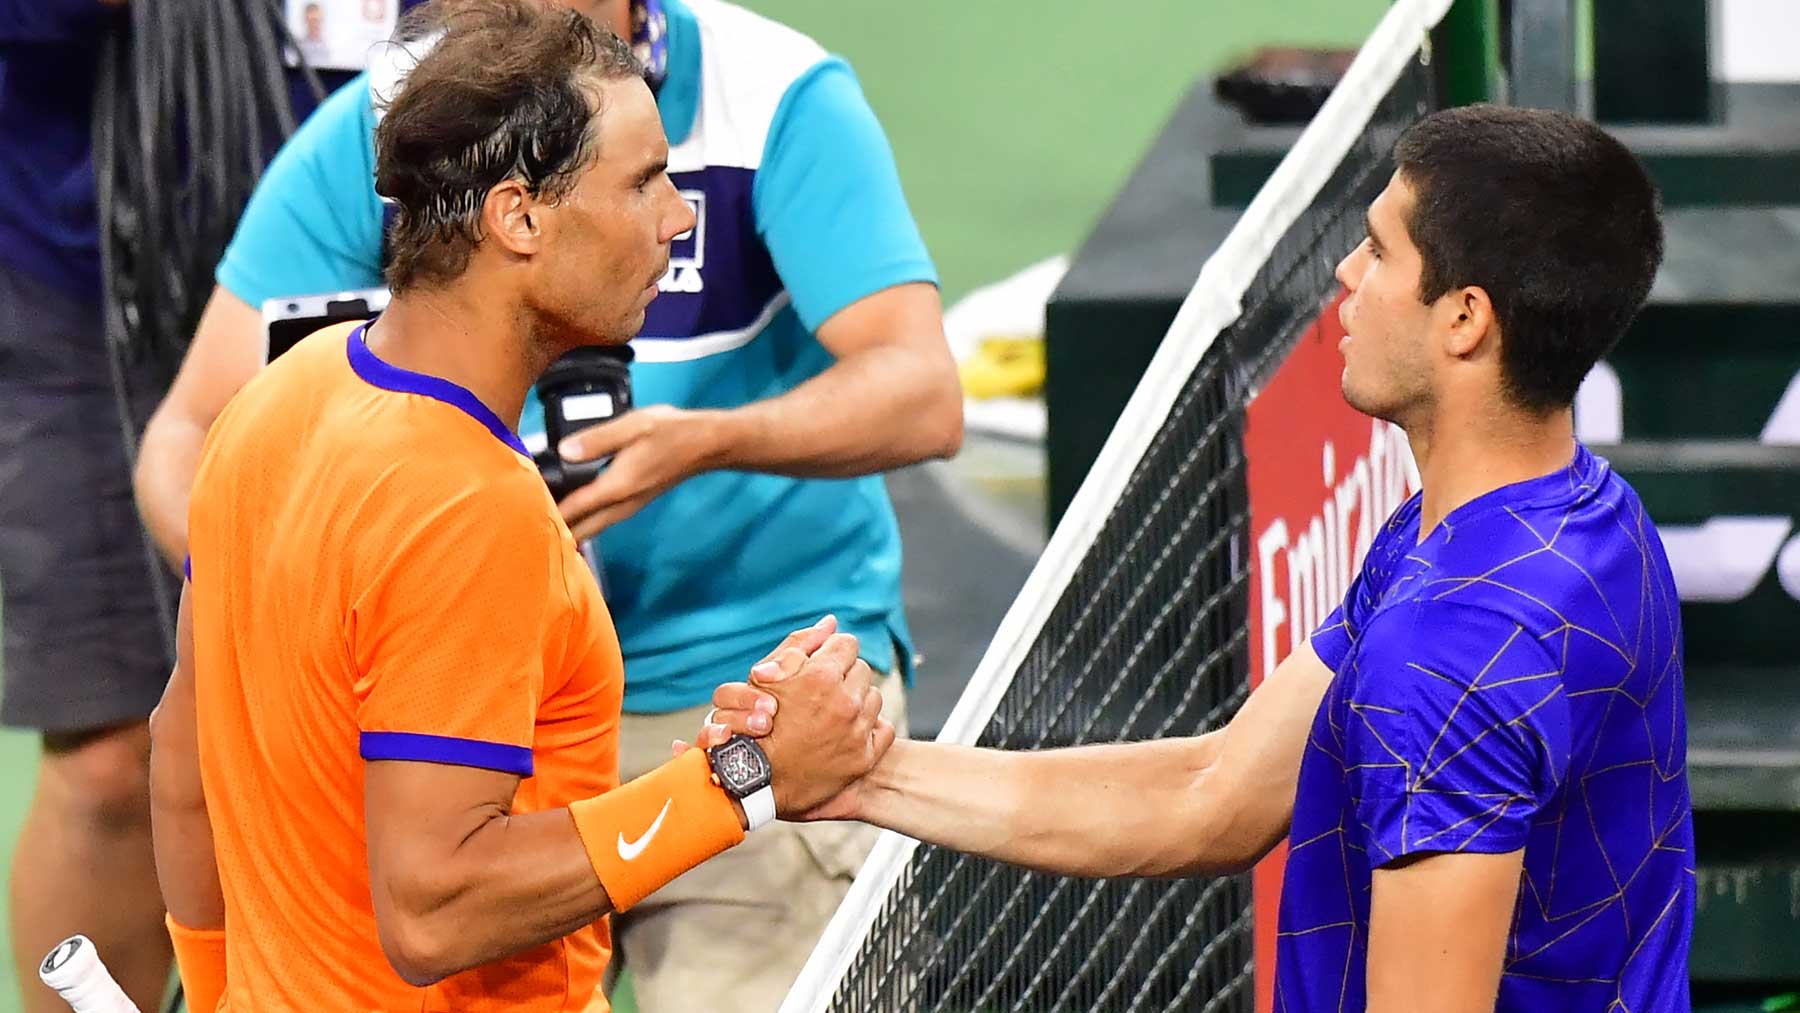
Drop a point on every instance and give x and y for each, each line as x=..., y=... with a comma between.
x=377, y=373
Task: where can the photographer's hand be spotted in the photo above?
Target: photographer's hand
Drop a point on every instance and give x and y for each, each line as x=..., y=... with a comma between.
x=652, y=449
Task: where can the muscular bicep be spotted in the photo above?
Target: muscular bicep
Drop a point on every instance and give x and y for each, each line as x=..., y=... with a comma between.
x=908, y=316
x=1437, y=931
x=418, y=817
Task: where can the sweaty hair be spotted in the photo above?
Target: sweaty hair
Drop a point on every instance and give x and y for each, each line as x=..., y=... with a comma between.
x=1549, y=214
x=507, y=92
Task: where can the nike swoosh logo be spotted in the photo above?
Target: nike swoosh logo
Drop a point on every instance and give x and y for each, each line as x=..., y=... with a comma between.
x=629, y=850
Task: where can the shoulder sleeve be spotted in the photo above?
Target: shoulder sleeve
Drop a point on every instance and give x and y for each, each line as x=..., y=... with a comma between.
x=450, y=633
x=314, y=222
x=1458, y=733
x=828, y=201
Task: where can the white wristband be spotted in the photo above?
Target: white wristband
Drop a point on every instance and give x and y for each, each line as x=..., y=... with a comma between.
x=759, y=807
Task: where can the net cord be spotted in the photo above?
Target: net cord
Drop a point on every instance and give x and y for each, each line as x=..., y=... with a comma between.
x=1211, y=306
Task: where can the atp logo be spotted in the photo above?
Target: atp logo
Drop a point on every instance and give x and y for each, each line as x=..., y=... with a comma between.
x=687, y=255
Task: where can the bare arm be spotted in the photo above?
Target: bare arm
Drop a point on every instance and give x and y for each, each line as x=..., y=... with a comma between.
x=227, y=351
x=459, y=880
x=891, y=399
x=1437, y=932
x=1212, y=804
x=186, y=867
x=1110, y=810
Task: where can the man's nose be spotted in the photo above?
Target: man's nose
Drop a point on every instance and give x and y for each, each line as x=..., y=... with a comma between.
x=681, y=221
x=1345, y=273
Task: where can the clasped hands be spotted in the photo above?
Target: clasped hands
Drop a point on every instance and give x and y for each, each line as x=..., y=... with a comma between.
x=813, y=708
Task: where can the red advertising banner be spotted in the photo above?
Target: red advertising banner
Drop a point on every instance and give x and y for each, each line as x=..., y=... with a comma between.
x=1322, y=477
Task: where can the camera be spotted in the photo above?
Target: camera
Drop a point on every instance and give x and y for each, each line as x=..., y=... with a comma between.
x=586, y=387
x=287, y=319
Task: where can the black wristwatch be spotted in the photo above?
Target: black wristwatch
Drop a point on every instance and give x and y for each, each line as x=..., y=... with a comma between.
x=742, y=769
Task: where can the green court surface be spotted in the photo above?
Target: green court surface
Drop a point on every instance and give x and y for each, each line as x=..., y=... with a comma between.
x=1013, y=122
x=18, y=761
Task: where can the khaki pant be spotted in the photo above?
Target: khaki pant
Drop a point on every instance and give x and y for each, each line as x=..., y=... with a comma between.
x=733, y=933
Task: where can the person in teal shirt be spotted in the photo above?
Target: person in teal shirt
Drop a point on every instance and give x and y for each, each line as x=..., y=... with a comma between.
x=795, y=350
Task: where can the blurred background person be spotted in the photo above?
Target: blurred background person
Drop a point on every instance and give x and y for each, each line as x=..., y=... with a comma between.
x=85, y=659
x=313, y=44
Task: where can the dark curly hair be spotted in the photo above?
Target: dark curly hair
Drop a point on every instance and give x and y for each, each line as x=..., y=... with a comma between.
x=505, y=91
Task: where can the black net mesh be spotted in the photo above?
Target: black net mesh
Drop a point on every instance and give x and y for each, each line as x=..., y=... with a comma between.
x=1147, y=640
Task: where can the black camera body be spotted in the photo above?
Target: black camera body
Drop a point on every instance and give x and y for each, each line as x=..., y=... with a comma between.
x=587, y=386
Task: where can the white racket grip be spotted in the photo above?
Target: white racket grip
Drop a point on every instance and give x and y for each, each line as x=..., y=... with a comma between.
x=75, y=971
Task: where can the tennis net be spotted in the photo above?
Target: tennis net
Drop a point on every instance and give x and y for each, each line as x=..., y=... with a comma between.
x=1136, y=622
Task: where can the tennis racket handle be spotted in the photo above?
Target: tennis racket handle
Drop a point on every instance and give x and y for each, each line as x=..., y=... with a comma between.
x=75, y=971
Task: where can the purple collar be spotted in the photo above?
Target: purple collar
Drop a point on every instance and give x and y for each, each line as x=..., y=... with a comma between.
x=377, y=373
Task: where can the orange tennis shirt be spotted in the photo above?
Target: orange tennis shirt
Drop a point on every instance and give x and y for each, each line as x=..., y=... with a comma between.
x=378, y=572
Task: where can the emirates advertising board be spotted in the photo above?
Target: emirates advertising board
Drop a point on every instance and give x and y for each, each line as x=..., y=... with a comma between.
x=1322, y=478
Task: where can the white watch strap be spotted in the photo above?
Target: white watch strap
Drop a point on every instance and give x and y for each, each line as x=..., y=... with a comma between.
x=759, y=807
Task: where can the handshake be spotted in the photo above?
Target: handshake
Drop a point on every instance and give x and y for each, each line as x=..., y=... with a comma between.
x=812, y=706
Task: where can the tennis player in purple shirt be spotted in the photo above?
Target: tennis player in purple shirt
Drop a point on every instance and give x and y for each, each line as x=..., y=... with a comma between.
x=1479, y=759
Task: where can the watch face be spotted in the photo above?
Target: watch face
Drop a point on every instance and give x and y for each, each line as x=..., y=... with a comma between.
x=741, y=766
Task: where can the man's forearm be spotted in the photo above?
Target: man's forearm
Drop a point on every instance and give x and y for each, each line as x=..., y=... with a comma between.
x=884, y=407
x=1131, y=809
x=511, y=882
x=186, y=870
x=181, y=838
x=514, y=883
x=167, y=462
x=1207, y=805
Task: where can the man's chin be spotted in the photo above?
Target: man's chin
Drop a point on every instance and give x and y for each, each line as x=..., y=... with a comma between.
x=1362, y=402
x=622, y=332
x=619, y=333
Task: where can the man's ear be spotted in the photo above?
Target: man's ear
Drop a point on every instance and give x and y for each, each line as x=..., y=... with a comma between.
x=1468, y=320
x=512, y=218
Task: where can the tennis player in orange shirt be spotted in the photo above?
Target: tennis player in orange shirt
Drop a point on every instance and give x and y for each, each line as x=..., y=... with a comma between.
x=392, y=729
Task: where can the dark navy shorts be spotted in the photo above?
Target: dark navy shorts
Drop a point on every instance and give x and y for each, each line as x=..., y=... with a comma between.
x=83, y=642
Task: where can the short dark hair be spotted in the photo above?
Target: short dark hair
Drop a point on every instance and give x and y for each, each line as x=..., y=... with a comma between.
x=1548, y=213
x=504, y=93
